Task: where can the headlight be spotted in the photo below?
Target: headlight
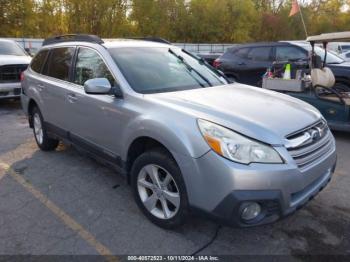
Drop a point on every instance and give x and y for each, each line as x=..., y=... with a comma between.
x=236, y=147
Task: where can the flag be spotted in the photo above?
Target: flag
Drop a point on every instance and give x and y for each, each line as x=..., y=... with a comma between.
x=295, y=8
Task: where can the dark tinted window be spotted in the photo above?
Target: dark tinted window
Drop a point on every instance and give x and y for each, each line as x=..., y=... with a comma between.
x=39, y=60
x=348, y=55
x=285, y=53
x=160, y=69
x=345, y=48
x=242, y=52
x=90, y=65
x=60, y=60
x=260, y=53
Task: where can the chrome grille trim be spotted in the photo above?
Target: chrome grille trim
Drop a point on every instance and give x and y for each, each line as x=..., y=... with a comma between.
x=309, y=158
x=312, y=147
x=310, y=144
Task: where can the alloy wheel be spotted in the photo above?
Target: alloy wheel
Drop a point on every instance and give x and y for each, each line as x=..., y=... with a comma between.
x=38, y=129
x=158, y=191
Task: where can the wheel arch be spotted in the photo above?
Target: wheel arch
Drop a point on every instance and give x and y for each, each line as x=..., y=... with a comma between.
x=139, y=146
x=31, y=105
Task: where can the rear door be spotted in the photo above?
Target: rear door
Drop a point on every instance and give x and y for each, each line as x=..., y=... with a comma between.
x=248, y=64
x=56, y=87
x=258, y=60
x=233, y=63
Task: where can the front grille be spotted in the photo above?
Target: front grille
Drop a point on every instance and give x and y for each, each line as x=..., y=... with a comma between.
x=11, y=73
x=310, y=144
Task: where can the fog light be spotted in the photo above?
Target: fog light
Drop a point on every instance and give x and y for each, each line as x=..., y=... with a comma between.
x=250, y=211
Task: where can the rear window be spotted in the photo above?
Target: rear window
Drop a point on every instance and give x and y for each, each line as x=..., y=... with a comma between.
x=38, y=61
x=59, y=63
x=260, y=54
x=242, y=52
x=11, y=48
x=286, y=53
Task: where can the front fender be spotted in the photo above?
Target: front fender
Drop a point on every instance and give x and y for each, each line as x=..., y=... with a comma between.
x=179, y=137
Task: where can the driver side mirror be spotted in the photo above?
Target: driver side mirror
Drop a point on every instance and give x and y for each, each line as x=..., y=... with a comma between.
x=97, y=86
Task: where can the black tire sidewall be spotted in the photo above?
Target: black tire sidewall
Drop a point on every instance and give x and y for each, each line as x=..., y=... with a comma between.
x=48, y=143
x=161, y=158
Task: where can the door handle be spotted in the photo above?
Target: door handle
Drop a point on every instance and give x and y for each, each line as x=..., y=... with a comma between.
x=72, y=98
x=241, y=63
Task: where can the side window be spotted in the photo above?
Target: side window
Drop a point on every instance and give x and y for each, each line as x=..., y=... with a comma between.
x=348, y=54
x=90, y=65
x=60, y=61
x=345, y=48
x=260, y=54
x=242, y=52
x=285, y=53
x=38, y=61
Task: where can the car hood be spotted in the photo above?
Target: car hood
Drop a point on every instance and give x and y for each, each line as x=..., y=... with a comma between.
x=14, y=60
x=260, y=114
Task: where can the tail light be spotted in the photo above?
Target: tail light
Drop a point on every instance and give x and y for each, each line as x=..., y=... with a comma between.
x=216, y=63
x=21, y=76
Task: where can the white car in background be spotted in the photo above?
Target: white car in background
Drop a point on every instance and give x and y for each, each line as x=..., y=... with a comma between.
x=345, y=56
x=339, y=47
x=13, y=61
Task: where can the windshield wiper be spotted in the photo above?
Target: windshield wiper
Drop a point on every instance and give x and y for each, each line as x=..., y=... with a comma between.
x=202, y=61
x=189, y=67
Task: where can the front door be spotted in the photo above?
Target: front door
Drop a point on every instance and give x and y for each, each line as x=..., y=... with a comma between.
x=258, y=60
x=94, y=119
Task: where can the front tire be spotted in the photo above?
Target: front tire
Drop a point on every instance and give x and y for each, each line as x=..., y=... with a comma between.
x=159, y=189
x=42, y=139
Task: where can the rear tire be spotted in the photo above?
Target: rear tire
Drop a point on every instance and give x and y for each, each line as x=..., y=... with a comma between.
x=159, y=189
x=42, y=139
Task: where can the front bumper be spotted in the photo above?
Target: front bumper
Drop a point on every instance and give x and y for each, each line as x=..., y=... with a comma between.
x=218, y=187
x=10, y=90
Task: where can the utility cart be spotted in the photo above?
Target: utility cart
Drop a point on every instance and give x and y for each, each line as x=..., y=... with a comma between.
x=315, y=83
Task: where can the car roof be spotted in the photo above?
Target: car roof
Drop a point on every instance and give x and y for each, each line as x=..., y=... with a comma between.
x=111, y=43
x=115, y=43
x=258, y=44
x=7, y=40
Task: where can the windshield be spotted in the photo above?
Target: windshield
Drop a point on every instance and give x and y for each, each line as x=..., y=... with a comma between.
x=331, y=57
x=162, y=69
x=9, y=48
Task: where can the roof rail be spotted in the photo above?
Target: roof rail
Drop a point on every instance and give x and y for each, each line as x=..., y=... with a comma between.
x=152, y=39
x=72, y=38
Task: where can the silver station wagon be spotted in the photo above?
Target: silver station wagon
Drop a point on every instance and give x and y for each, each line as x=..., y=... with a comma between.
x=186, y=138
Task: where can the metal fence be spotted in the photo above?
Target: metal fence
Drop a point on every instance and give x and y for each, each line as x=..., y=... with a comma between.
x=34, y=43
x=194, y=48
x=204, y=48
